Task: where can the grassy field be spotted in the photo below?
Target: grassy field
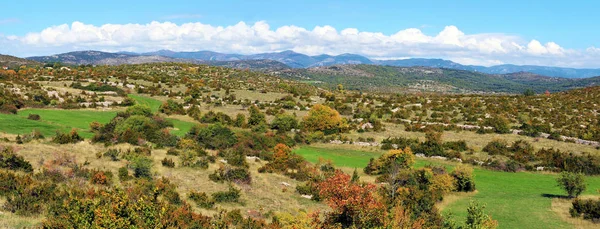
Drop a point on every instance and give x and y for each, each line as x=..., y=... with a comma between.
x=154, y=104
x=65, y=120
x=516, y=200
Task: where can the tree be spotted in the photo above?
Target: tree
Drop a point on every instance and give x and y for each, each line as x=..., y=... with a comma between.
x=323, y=118
x=499, y=123
x=256, y=117
x=352, y=204
x=477, y=219
x=573, y=183
x=284, y=123
x=529, y=92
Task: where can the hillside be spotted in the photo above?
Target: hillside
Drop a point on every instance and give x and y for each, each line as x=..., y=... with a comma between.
x=12, y=61
x=390, y=78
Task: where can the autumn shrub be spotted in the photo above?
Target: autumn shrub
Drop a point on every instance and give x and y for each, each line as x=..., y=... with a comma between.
x=101, y=177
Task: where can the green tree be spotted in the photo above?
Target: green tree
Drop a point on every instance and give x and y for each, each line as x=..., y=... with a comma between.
x=477, y=219
x=256, y=116
x=284, y=123
x=573, y=183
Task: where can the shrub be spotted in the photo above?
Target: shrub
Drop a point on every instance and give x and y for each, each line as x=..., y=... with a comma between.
x=101, y=177
x=167, y=162
x=10, y=160
x=201, y=199
x=573, y=183
x=62, y=138
x=171, y=107
x=34, y=117
x=141, y=167
x=231, y=174
x=590, y=209
x=463, y=177
x=124, y=174
x=113, y=154
x=214, y=136
x=456, y=145
x=496, y=147
x=231, y=195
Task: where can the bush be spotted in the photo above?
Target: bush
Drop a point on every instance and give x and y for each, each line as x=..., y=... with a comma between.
x=113, y=154
x=141, y=167
x=124, y=174
x=167, y=162
x=231, y=195
x=463, y=177
x=231, y=174
x=214, y=136
x=171, y=107
x=34, y=117
x=10, y=160
x=201, y=199
x=62, y=138
x=496, y=147
x=590, y=209
x=573, y=183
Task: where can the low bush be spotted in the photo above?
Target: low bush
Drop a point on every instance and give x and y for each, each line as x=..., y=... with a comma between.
x=167, y=162
x=231, y=195
x=201, y=199
x=589, y=209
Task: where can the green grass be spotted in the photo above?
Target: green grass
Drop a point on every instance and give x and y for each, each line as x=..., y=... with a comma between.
x=181, y=127
x=339, y=157
x=14, y=124
x=516, y=200
x=154, y=104
x=65, y=120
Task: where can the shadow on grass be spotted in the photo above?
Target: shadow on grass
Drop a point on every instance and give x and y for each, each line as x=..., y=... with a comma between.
x=555, y=196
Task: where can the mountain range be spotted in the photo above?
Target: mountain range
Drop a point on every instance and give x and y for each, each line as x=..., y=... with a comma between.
x=298, y=60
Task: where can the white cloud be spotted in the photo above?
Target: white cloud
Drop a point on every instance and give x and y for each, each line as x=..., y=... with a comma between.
x=450, y=43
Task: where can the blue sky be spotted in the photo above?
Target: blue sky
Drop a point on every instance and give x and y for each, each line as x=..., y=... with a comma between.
x=572, y=25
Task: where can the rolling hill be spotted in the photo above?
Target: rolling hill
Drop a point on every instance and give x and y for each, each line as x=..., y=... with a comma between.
x=391, y=78
x=298, y=60
x=12, y=61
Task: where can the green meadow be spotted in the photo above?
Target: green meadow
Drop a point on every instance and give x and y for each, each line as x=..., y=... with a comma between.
x=516, y=200
x=65, y=120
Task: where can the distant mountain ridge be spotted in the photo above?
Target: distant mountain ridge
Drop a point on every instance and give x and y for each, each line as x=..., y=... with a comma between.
x=298, y=60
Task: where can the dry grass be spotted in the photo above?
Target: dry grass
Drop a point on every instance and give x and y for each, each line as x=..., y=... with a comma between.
x=453, y=197
x=561, y=207
x=265, y=195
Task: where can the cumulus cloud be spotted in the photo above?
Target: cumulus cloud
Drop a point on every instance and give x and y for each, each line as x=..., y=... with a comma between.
x=450, y=43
